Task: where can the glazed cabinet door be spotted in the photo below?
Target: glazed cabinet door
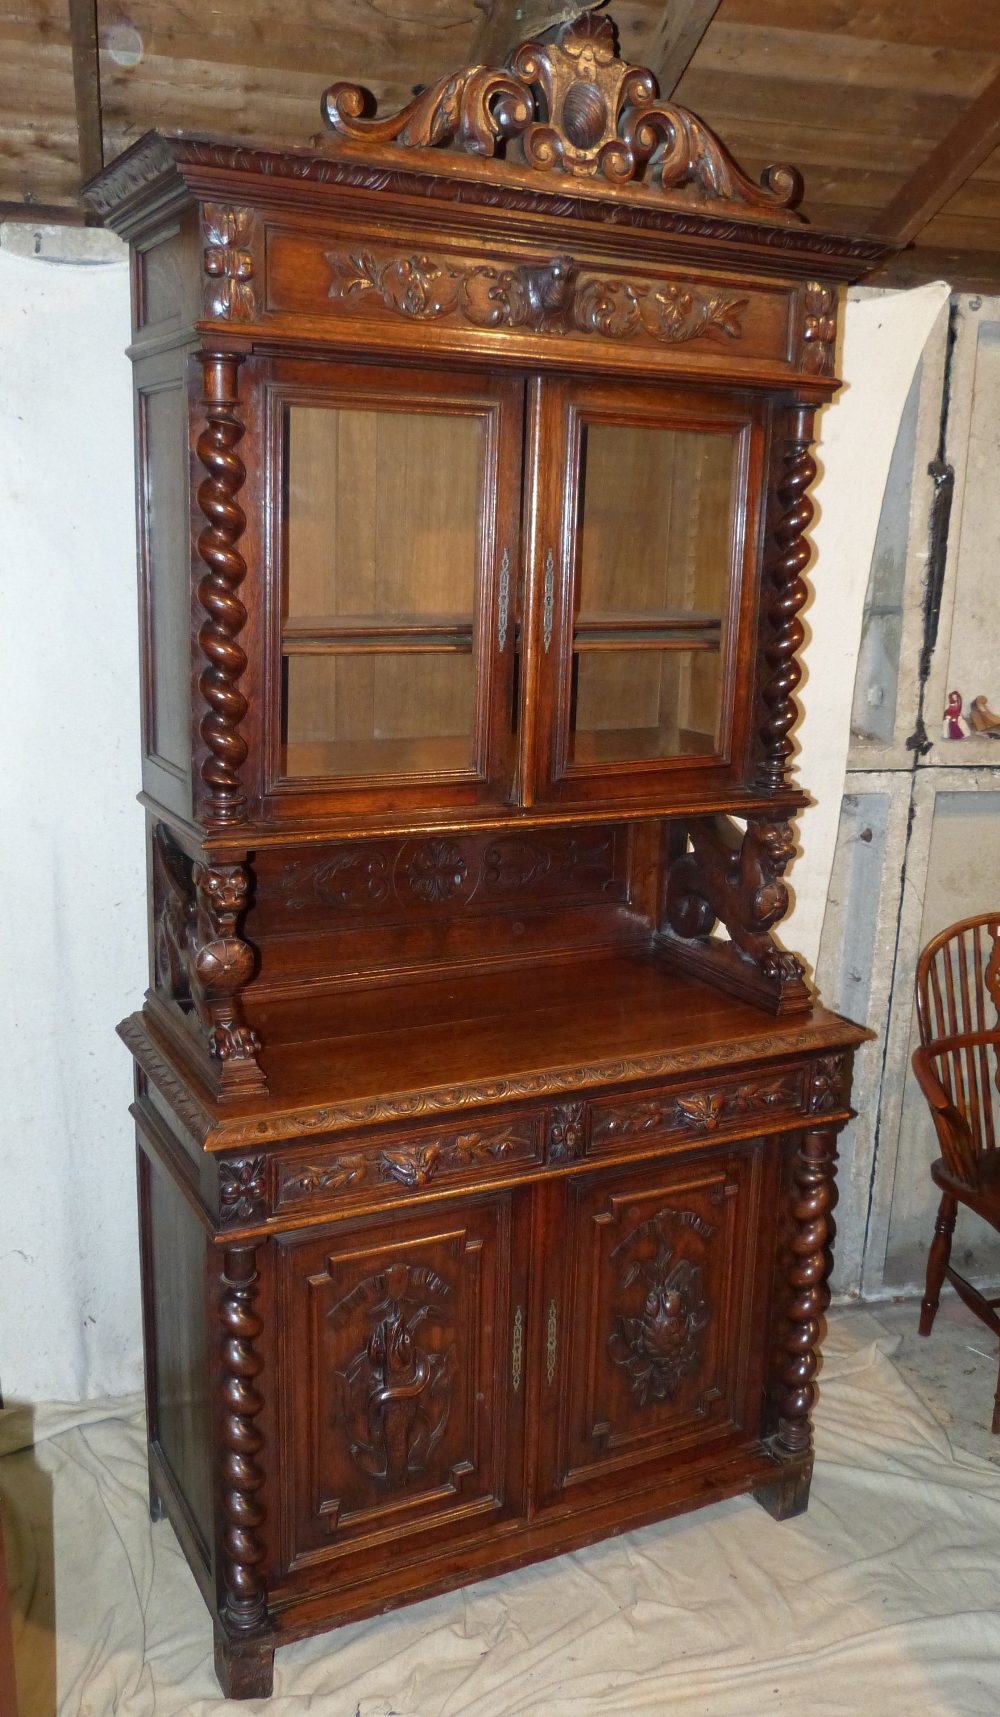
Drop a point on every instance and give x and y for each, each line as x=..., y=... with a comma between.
x=401, y=1416
x=395, y=544
x=645, y=518
x=653, y=1311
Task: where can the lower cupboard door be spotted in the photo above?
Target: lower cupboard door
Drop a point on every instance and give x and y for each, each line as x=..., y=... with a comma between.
x=401, y=1424
x=654, y=1322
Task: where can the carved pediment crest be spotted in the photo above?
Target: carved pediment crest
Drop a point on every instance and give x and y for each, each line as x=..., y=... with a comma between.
x=569, y=104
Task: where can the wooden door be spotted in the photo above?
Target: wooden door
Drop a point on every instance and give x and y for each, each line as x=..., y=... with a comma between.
x=644, y=523
x=396, y=547
x=653, y=1322
x=403, y=1397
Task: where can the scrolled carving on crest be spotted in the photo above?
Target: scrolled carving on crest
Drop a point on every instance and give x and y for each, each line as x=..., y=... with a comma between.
x=393, y=1400
x=571, y=105
x=735, y=878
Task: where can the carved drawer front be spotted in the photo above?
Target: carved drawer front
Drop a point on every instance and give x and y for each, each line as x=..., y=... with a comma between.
x=400, y=1418
x=412, y=1162
x=620, y=1122
x=388, y=287
x=652, y=1334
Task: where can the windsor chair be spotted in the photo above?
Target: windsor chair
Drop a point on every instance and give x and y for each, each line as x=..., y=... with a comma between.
x=957, y=1065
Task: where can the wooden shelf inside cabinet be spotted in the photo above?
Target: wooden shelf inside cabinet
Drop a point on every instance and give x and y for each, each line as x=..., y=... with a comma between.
x=358, y=632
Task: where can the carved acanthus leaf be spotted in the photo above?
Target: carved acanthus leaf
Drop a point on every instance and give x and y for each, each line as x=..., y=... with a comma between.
x=571, y=106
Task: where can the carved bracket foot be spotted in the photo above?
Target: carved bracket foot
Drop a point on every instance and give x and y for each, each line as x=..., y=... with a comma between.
x=735, y=879
x=788, y=1495
x=245, y=1668
x=202, y=962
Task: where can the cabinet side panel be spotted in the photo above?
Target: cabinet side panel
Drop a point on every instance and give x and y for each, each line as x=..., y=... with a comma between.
x=165, y=580
x=179, y=1372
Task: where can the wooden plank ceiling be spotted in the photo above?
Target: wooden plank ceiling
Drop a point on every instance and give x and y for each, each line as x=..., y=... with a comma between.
x=891, y=111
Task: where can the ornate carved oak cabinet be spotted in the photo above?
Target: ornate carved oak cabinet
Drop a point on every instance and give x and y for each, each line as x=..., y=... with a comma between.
x=485, y=1190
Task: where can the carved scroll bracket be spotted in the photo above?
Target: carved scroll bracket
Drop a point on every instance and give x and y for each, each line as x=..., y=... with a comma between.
x=736, y=879
x=571, y=105
x=201, y=960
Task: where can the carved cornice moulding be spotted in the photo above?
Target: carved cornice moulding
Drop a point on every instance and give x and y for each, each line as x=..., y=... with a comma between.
x=214, y=171
x=220, y=1134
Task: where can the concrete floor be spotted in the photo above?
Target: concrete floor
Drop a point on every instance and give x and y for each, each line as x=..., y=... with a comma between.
x=953, y=1370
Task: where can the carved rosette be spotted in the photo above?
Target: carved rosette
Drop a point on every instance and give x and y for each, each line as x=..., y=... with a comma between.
x=218, y=590
x=572, y=106
x=550, y=299
x=813, y=1198
x=242, y=1475
x=566, y=1132
x=242, y=1190
x=228, y=263
x=826, y=1083
x=787, y=592
x=736, y=878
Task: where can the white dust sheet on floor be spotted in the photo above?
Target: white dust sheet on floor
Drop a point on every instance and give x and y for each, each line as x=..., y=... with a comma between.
x=881, y=1599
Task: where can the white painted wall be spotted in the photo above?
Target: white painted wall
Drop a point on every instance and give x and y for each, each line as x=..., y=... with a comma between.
x=72, y=933
x=71, y=865
x=883, y=337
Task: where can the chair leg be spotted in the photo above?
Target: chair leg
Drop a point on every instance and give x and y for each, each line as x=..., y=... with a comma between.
x=937, y=1262
x=995, y=1427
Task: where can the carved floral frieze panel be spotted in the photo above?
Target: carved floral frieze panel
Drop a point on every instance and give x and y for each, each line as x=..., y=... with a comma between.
x=413, y=1163
x=702, y=1111
x=382, y=877
x=555, y=298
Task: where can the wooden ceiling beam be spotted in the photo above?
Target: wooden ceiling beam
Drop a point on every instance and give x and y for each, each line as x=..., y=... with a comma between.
x=974, y=136
x=677, y=38
x=87, y=86
x=505, y=23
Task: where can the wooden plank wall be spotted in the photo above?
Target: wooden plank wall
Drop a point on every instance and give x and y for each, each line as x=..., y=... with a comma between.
x=856, y=93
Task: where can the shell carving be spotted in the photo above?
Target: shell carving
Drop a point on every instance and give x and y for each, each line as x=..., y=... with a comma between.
x=570, y=105
x=585, y=115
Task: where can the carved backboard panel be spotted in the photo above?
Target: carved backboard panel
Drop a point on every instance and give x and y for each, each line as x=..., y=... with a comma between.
x=400, y=1347
x=659, y=1282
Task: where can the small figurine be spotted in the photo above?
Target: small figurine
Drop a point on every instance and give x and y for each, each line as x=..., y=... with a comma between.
x=982, y=720
x=953, y=726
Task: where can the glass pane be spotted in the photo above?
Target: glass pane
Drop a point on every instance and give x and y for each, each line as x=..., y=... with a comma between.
x=654, y=567
x=634, y=704
x=382, y=520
